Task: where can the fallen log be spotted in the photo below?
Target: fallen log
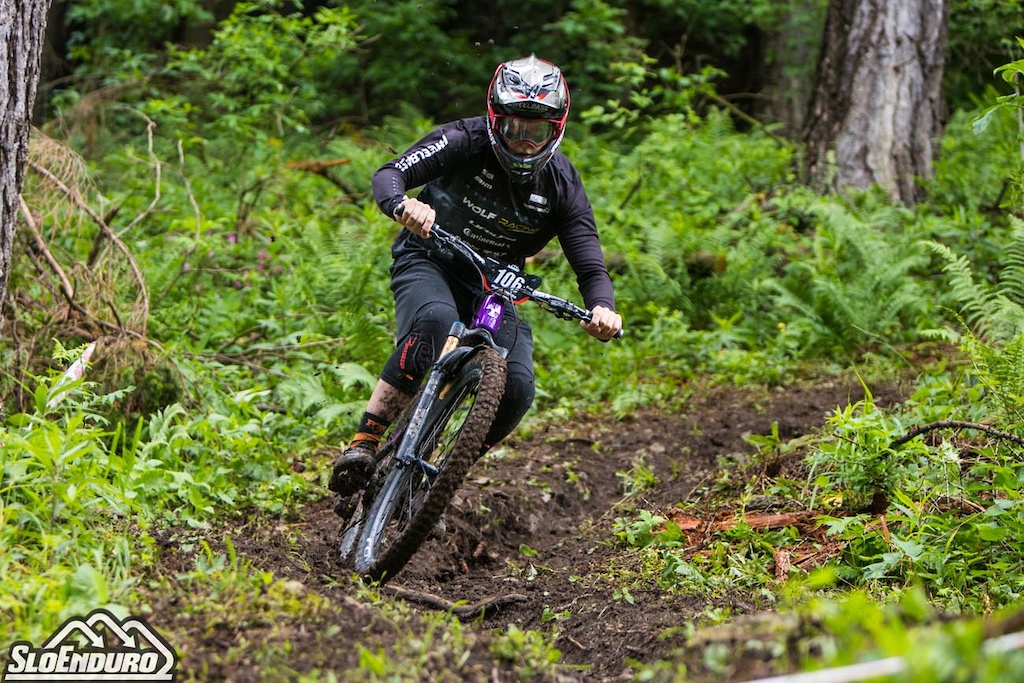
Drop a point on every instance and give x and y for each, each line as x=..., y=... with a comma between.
x=754, y=521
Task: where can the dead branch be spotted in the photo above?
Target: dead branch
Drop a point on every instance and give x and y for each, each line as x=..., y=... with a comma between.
x=322, y=167
x=956, y=424
x=227, y=360
x=157, y=171
x=188, y=186
x=183, y=268
x=739, y=113
x=281, y=351
x=753, y=521
x=66, y=287
x=632, y=191
x=85, y=208
x=481, y=607
x=316, y=165
x=575, y=642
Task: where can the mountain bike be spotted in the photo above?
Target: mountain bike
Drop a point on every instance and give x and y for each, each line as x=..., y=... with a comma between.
x=440, y=435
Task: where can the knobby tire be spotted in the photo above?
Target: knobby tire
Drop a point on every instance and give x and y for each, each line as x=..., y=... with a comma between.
x=406, y=507
x=352, y=529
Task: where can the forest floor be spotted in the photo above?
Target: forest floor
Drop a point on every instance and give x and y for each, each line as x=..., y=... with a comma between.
x=529, y=543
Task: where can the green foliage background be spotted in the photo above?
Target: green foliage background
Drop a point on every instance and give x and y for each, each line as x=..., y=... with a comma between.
x=264, y=313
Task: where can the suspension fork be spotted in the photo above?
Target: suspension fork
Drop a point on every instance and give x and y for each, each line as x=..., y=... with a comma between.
x=439, y=372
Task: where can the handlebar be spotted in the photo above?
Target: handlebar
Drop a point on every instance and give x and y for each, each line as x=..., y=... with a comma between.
x=561, y=308
x=520, y=287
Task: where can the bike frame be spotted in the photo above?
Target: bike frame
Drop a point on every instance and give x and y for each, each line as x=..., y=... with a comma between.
x=504, y=285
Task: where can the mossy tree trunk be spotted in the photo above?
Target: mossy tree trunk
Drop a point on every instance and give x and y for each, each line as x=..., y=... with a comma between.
x=22, y=26
x=877, y=107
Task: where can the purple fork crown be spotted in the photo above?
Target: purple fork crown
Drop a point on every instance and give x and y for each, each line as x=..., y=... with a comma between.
x=489, y=314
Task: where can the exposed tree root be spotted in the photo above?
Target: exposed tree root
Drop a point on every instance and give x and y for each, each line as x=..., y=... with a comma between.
x=484, y=607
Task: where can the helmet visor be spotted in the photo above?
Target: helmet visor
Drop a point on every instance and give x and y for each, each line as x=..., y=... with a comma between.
x=526, y=135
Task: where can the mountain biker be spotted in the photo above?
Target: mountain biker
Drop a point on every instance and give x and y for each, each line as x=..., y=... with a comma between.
x=500, y=182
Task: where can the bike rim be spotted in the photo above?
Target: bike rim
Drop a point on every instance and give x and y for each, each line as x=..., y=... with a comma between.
x=408, y=489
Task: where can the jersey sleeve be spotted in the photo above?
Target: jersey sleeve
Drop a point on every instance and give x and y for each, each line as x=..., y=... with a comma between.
x=429, y=158
x=582, y=246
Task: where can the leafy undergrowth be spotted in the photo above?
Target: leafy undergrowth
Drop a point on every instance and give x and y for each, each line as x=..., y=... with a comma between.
x=712, y=543
x=751, y=524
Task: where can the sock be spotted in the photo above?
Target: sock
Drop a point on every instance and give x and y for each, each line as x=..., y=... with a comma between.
x=371, y=429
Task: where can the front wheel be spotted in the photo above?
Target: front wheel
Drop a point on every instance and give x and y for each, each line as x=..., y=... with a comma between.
x=408, y=503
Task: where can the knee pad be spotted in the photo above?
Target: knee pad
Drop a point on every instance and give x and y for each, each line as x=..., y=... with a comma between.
x=419, y=348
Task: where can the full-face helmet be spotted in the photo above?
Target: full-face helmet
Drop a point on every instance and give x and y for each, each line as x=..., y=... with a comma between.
x=527, y=105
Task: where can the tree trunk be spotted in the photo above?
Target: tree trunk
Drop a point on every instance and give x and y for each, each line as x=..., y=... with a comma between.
x=877, y=105
x=22, y=26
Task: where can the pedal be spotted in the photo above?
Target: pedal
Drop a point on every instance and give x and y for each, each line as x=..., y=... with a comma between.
x=345, y=506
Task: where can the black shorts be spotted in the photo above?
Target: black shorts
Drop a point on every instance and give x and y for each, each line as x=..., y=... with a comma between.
x=429, y=297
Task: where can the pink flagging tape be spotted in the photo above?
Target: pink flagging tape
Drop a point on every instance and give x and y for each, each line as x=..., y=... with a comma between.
x=75, y=371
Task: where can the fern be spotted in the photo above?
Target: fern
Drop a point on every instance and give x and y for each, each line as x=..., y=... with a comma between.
x=648, y=281
x=328, y=396
x=352, y=263
x=1011, y=278
x=992, y=313
x=857, y=290
x=994, y=318
x=350, y=279
x=1001, y=370
x=350, y=375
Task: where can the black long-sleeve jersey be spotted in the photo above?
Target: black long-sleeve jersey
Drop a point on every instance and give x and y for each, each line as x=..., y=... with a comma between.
x=475, y=198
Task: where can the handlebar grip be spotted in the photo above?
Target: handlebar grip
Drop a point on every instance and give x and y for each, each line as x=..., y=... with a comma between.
x=435, y=229
x=587, y=317
x=617, y=335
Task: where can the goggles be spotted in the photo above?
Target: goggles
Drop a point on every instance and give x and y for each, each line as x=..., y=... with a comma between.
x=535, y=131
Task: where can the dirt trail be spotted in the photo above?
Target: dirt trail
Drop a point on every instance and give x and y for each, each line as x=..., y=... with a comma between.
x=532, y=527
